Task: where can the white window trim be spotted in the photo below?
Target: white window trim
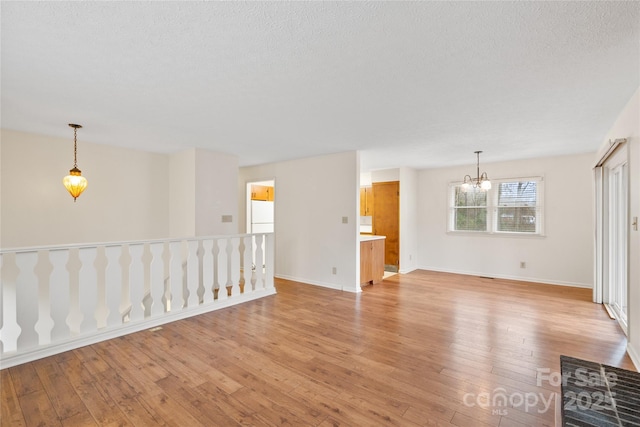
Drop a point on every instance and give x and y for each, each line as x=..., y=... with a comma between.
x=492, y=209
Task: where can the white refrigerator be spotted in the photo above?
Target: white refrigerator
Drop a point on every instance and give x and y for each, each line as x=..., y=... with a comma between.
x=262, y=216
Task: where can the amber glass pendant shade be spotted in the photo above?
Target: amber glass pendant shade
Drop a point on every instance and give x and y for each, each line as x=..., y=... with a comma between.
x=75, y=183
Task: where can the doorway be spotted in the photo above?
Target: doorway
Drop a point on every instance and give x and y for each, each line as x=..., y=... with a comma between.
x=261, y=206
x=386, y=221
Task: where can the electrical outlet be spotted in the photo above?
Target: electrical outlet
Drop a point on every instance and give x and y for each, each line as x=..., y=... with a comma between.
x=334, y=270
x=523, y=264
x=345, y=219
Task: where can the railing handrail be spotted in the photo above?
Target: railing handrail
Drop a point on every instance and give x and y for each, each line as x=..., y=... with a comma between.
x=120, y=243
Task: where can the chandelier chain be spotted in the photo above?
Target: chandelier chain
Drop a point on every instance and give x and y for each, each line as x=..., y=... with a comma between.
x=75, y=147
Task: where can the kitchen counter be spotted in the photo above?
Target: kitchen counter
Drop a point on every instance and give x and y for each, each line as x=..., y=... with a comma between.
x=368, y=237
x=371, y=258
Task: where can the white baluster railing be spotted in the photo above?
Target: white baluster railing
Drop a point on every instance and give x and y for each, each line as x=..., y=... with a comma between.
x=54, y=299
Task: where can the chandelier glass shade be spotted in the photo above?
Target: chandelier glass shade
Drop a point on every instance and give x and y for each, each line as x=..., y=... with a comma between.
x=75, y=183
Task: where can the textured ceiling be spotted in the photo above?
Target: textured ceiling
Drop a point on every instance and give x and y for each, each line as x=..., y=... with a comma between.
x=418, y=84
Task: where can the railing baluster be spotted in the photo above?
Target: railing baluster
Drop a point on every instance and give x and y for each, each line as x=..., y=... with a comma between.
x=157, y=279
x=43, y=271
x=215, y=288
x=247, y=262
x=146, y=272
x=102, y=309
x=259, y=262
x=269, y=261
x=222, y=269
x=166, y=276
x=252, y=249
x=177, y=302
x=125, y=299
x=11, y=330
x=200, y=255
x=87, y=290
x=1, y=306
x=233, y=267
x=136, y=282
x=114, y=289
x=184, y=251
x=27, y=289
x=207, y=271
x=74, y=319
x=192, y=273
x=59, y=295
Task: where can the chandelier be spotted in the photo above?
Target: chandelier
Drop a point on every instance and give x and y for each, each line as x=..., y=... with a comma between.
x=75, y=183
x=480, y=181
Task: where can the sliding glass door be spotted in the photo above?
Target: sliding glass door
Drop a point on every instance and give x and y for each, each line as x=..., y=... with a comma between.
x=617, y=231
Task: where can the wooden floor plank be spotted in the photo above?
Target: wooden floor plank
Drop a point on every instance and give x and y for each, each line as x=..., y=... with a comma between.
x=10, y=410
x=205, y=410
x=92, y=392
x=417, y=349
x=62, y=394
x=38, y=410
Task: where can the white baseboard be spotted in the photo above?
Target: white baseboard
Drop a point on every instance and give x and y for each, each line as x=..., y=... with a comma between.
x=335, y=286
x=634, y=356
x=508, y=277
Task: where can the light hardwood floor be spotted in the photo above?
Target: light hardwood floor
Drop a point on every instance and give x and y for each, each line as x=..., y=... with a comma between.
x=414, y=350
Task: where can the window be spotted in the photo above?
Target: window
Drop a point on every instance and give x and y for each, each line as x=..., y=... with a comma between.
x=511, y=206
x=470, y=209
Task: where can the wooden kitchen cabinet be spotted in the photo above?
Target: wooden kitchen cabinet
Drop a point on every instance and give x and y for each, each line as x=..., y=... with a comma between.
x=371, y=260
x=261, y=192
x=366, y=201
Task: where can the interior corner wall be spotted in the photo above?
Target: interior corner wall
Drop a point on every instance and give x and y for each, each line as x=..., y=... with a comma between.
x=126, y=197
x=182, y=207
x=627, y=125
x=216, y=194
x=563, y=256
x=408, y=219
x=203, y=190
x=312, y=195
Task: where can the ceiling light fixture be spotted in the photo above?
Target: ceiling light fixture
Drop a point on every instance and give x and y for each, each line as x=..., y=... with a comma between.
x=75, y=183
x=480, y=181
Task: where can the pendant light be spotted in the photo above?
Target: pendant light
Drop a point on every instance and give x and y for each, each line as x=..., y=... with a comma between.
x=480, y=181
x=75, y=183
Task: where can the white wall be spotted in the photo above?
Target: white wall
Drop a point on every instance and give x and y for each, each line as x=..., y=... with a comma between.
x=126, y=197
x=311, y=197
x=408, y=219
x=627, y=126
x=563, y=256
x=385, y=175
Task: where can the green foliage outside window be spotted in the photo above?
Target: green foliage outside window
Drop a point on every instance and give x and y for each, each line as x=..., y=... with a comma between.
x=470, y=209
